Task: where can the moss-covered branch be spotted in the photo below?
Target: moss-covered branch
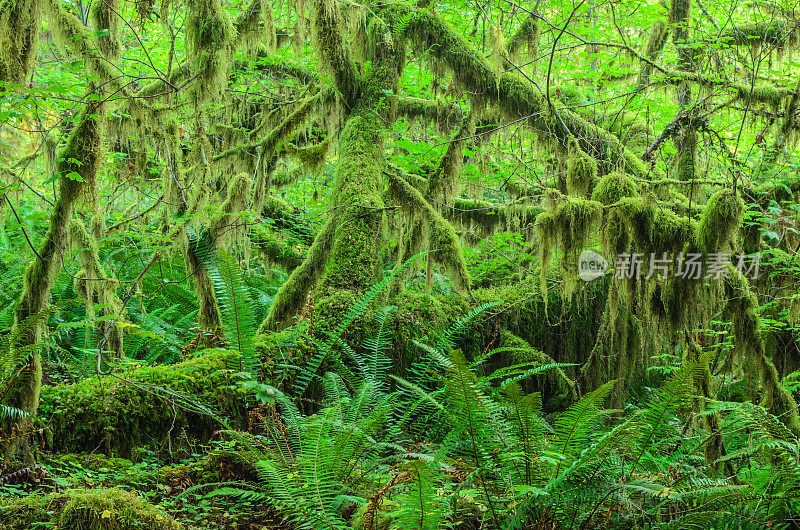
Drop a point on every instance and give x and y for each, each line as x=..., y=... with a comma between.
x=514, y=96
x=442, y=240
x=276, y=249
x=777, y=33
x=150, y=407
x=434, y=111
x=292, y=294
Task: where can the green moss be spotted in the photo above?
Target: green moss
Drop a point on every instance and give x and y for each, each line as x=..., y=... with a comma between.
x=443, y=183
x=649, y=228
x=417, y=315
x=27, y=511
x=741, y=307
x=581, y=172
x=720, y=223
x=292, y=294
x=444, y=115
x=311, y=157
x=105, y=17
x=334, y=54
x=776, y=33
x=514, y=96
x=209, y=37
x=765, y=93
x=355, y=257
x=117, y=417
x=253, y=26
x=613, y=187
x=97, y=291
x=686, y=160
x=277, y=250
x=527, y=36
x=566, y=225
x=441, y=239
x=473, y=213
x=659, y=32
x=95, y=461
x=19, y=37
x=78, y=164
x=95, y=509
x=286, y=217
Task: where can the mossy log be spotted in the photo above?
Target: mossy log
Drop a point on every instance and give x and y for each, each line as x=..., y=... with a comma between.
x=116, y=416
x=84, y=509
x=19, y=36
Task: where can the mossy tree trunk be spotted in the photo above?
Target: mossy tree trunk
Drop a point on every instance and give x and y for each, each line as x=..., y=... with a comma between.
x=347, y=254
x=686, y=138
x=78, y=165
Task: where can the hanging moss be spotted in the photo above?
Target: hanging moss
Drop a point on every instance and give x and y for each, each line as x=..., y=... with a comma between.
x=686, y=163
x=97, y=289
x=277, y=250
x=333, y=52
x=613, y=187
x=775, y=33
x=283, y=178
x=566, y=225
x=105, y=16
x=76, y=38
x=289, y=125
x=209, y=37
x=514, y=96
x=227, y=226
x=581, y=171
x=440, y=236
x=742, y=309
x=659, y=32
x=526, y=36
x=720, y=223
x=444, y=115
x=19, y=36
x=253, y=26
x=765, y=93
x=78, y=164
x=650, y=228
x=311, y=157
x=442, y=184
x=117, y=417
x=474, y=214
x=286, y=217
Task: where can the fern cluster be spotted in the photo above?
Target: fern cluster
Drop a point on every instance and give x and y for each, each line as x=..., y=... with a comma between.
x=448, y=444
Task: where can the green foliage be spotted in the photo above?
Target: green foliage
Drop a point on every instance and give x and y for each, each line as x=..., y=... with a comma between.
x=233, y=298
x=333, y=140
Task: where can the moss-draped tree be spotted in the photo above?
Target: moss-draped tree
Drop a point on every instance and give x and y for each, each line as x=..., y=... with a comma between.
x=335, y=98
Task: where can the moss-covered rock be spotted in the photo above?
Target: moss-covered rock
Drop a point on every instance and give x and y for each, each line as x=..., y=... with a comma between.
x=116, y=416
x=79, y=509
